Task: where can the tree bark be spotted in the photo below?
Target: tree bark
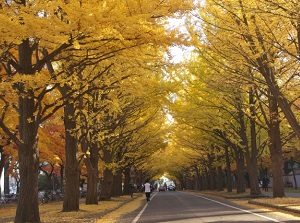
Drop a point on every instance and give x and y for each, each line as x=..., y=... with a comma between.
x=62, y=170
x=92, y=175
x=269, y=76
x=275, y=147
x=220, y=179
x=283, y=103
x=212, y=173
x=240, y=169
x=117, y=184
x=206, y=180
x=27, y=208
x=6, y=179
x=197, y=178
x=251, y=156
x=71, y=198
x=106, y=187
x=126, y=188
x=228, y=171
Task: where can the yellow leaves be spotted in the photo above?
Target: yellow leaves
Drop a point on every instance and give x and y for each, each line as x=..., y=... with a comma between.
x=40, y=79
x=76, y=45
x=29, y=120
x=128, y=34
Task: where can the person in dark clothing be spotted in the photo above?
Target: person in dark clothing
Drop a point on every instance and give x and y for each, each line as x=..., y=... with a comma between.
x=265, y=183
x=131, y=188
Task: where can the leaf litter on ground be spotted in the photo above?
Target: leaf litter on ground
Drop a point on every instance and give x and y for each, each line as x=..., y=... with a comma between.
x=52, y=212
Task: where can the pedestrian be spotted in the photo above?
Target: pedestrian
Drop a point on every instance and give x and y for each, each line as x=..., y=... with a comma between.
x=147, y=187
x=131, y=188
x=265, y=183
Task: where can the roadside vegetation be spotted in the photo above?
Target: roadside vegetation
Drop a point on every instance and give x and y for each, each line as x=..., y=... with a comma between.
x=106, y=94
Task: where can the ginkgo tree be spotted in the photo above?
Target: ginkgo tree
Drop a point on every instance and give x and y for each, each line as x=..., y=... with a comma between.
x=109, y=114
x=67, y=29
x=253, y=46
x=215, y=104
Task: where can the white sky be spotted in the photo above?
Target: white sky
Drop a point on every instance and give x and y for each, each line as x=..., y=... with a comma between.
x=2, y=182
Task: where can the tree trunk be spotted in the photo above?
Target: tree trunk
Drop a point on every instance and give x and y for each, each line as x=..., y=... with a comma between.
x=62, y=170
x=206, y=181
x=283, y=103
x=269, y=76
x=71, y=198
x=212, y=173
x=220, y=179
x=92, y=175
x=126, y=188
x=117, y=184
x=228, y=171
x=254, y=151
x=139, y=180
x=253, y=176
x=106, y=187
x=197, y=177
x=28, y=207
x=6, y=179
x=275, y=147
x=240, y=169
x=251, y=156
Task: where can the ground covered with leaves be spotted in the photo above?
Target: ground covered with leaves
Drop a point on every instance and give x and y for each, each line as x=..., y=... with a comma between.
x=52, y=212
x=284, y=204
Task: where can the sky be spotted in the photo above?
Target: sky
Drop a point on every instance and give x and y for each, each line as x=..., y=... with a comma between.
x=2, y=182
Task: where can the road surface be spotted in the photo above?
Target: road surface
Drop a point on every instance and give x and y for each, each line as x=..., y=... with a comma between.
x=180, y=207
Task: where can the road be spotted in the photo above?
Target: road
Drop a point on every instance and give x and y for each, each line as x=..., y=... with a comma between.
x=173, y=206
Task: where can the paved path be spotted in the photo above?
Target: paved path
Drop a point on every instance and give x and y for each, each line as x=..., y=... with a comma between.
x=179, y=207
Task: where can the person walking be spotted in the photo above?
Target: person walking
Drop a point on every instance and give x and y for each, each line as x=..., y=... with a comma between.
x=131, y=188
x=147, y=187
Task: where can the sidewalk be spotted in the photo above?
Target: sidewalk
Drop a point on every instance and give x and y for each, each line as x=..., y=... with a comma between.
x=291, y=201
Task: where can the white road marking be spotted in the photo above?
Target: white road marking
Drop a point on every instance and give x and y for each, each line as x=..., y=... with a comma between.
x=142, y=211
x=250, y=212
x=227, y=205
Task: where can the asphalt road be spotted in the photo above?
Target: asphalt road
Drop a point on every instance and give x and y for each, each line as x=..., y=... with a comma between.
x=173, y=206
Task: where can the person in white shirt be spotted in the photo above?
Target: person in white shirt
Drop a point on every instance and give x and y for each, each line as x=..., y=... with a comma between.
x=147, y=187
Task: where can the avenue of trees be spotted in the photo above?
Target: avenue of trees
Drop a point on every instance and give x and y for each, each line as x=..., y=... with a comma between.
x=89, y=89
x=240, y=104
x=84, y=76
